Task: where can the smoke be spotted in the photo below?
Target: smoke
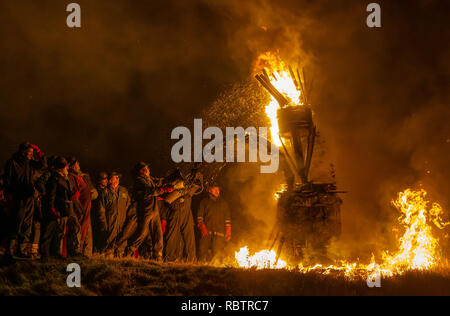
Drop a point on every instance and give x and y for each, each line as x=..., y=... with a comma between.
x=383, y=107
x=380, y=98
x=249, y=193
x=111, y=92
x=251, y=196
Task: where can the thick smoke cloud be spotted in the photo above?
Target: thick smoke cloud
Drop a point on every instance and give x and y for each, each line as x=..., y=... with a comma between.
x=112, y=91
x=380, y=96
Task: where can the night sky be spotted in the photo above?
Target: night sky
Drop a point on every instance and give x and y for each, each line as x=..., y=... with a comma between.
x=112, y=91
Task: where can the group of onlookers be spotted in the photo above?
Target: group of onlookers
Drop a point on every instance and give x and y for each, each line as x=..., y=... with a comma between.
x=50, y=208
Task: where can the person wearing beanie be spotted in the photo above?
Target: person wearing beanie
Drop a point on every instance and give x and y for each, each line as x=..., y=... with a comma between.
x=214, y=225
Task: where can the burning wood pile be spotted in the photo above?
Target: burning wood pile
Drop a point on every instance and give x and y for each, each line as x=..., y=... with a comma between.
x=418, y=247
x=309, y=213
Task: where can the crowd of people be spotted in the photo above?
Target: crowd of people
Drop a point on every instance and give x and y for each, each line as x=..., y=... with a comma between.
x=50, y=208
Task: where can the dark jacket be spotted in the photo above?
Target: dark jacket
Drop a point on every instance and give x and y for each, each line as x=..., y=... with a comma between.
x=59, y=195
x=113, y=209
x=145, y=191
x=215, y=213
x=42, y=181
x=19, y=176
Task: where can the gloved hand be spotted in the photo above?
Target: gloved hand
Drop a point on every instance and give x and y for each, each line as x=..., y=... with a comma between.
x=76, y=196
x=203, y=229
x=56, y=214
x=228, y=233
x=38, y=154
x=167, y=189
x=163, y=226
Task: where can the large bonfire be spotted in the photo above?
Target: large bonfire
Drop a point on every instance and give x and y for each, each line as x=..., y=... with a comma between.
x=418, y=247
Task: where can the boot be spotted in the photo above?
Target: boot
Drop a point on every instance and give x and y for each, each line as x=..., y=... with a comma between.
x=108, y=252
x=76, y=253
x=35, y=251
x=130, y=253
x=24, y=252
x=13, y=247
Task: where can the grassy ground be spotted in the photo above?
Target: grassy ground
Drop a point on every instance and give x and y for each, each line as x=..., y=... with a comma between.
x=130, y=277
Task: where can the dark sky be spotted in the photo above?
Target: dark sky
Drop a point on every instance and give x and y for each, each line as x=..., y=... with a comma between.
x=111, y=92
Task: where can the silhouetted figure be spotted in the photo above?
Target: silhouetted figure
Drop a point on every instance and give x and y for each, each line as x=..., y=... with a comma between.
x=20, y=174
x=214, y=225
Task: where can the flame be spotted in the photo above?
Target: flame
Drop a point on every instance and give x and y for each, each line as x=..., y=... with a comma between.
x=281, y=79
x=418, y=248
x=265, y=259
x=271, y=111
x=277, y=194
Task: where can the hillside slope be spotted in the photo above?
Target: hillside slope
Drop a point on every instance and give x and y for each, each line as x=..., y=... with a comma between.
x=130, y=277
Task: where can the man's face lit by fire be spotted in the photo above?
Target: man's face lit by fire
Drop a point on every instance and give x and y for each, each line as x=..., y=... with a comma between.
x=64, y=171
x=76, y=167
x=214, y=191
x=103, y=182
x=114, y=182
x=145, y=171
x=28, y=153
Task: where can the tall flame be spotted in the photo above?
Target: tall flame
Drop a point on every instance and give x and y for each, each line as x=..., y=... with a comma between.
x=418, y=247
x=281, y=79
